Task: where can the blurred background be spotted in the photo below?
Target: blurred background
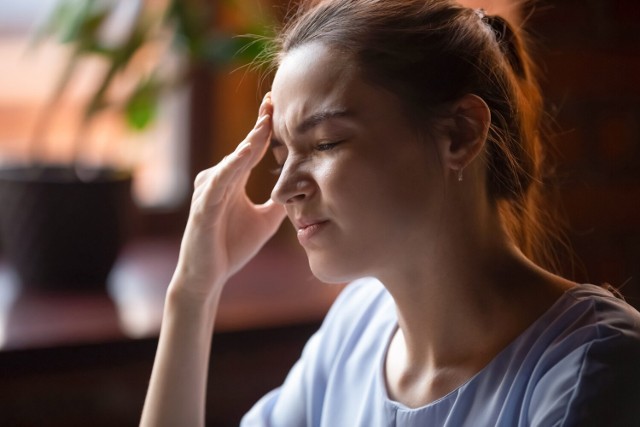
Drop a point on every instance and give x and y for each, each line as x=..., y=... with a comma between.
x=76, y=347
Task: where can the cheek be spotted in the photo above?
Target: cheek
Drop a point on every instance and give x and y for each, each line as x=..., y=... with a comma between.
x=328, y=171
x=400, y=193
x=374, y=186
x=359, y=196
x=341, y=180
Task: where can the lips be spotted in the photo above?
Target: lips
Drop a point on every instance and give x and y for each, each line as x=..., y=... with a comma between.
x=309, y=228
x=303, y=223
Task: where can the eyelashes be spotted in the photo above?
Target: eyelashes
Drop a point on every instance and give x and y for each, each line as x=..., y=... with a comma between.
x=322, y=147
x=326, y=146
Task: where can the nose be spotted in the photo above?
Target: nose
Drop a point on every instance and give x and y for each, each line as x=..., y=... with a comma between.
x=294, y=184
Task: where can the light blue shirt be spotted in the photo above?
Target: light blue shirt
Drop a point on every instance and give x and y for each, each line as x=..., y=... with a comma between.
x=577, y=365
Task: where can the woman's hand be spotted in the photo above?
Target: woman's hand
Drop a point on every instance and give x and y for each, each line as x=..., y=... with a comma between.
x=224, y=231
x=225, y=228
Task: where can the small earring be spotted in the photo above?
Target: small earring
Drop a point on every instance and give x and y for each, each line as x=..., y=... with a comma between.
x=460, y=174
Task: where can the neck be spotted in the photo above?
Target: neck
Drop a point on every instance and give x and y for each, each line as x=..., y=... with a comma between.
x=459, y=305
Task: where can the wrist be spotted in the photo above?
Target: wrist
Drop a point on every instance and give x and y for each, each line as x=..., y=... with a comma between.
x=183, y=297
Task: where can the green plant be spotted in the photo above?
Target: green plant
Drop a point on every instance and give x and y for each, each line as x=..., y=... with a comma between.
x=184, y=26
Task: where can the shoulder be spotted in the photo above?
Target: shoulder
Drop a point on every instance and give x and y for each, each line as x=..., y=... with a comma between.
x=589, y=370
x=595, y=320
x=607, y=309
x=312, y=385
x=351, y=331
x=587, y=315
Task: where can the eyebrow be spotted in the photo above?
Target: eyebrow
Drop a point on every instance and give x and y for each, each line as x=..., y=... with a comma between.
x=313, y=121
x=319, y=117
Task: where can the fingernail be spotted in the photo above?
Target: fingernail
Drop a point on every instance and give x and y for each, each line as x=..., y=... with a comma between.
x=262, y=110
x=262, y=119
x=263, y=103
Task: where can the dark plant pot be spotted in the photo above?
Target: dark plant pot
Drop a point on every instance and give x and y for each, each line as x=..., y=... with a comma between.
x=60, y=232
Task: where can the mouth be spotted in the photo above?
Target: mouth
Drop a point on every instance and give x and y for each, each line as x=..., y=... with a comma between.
x=307, y=230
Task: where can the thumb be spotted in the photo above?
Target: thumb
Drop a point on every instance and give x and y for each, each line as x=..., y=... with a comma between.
x=273, y=214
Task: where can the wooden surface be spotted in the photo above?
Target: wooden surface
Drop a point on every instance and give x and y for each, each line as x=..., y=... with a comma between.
x=275, y=289
x=79, y=359
x=104, y=384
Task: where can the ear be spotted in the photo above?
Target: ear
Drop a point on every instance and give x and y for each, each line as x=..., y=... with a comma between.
x=467, y=132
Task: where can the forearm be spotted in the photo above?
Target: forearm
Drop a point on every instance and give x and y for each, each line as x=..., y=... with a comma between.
x=224, y=231
x=177, y=389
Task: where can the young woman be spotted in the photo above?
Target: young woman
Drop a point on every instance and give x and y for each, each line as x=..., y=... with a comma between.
x=408, y=132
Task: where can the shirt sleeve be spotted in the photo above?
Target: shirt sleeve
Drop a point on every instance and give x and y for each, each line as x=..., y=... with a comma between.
x=299, y=400
x=596, y=385
x=287, y=405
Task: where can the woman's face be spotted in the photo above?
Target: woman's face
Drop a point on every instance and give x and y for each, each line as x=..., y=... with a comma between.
x=362, y=189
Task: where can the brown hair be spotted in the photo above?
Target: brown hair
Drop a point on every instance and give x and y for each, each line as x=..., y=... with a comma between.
x=431, y=53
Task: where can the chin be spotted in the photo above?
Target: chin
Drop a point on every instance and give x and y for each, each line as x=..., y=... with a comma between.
x=332, y=271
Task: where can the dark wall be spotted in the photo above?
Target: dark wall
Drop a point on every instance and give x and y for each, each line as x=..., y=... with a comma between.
x=590, y=53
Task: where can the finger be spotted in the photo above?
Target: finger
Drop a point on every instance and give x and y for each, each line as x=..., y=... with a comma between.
x=238, y=163
x=259, y=139
x=265, y=105
x=262, y=128
x=264, y=110
x=225, y=173
x=268, y=220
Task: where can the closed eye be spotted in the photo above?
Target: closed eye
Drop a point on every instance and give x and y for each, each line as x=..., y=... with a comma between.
x=326, y=146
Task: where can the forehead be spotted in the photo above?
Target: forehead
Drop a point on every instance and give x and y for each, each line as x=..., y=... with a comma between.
x=315, y=67
x=313, y=78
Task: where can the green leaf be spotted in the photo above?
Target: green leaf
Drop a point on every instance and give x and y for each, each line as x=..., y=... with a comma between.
x=190, y=20
x=142, y=107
